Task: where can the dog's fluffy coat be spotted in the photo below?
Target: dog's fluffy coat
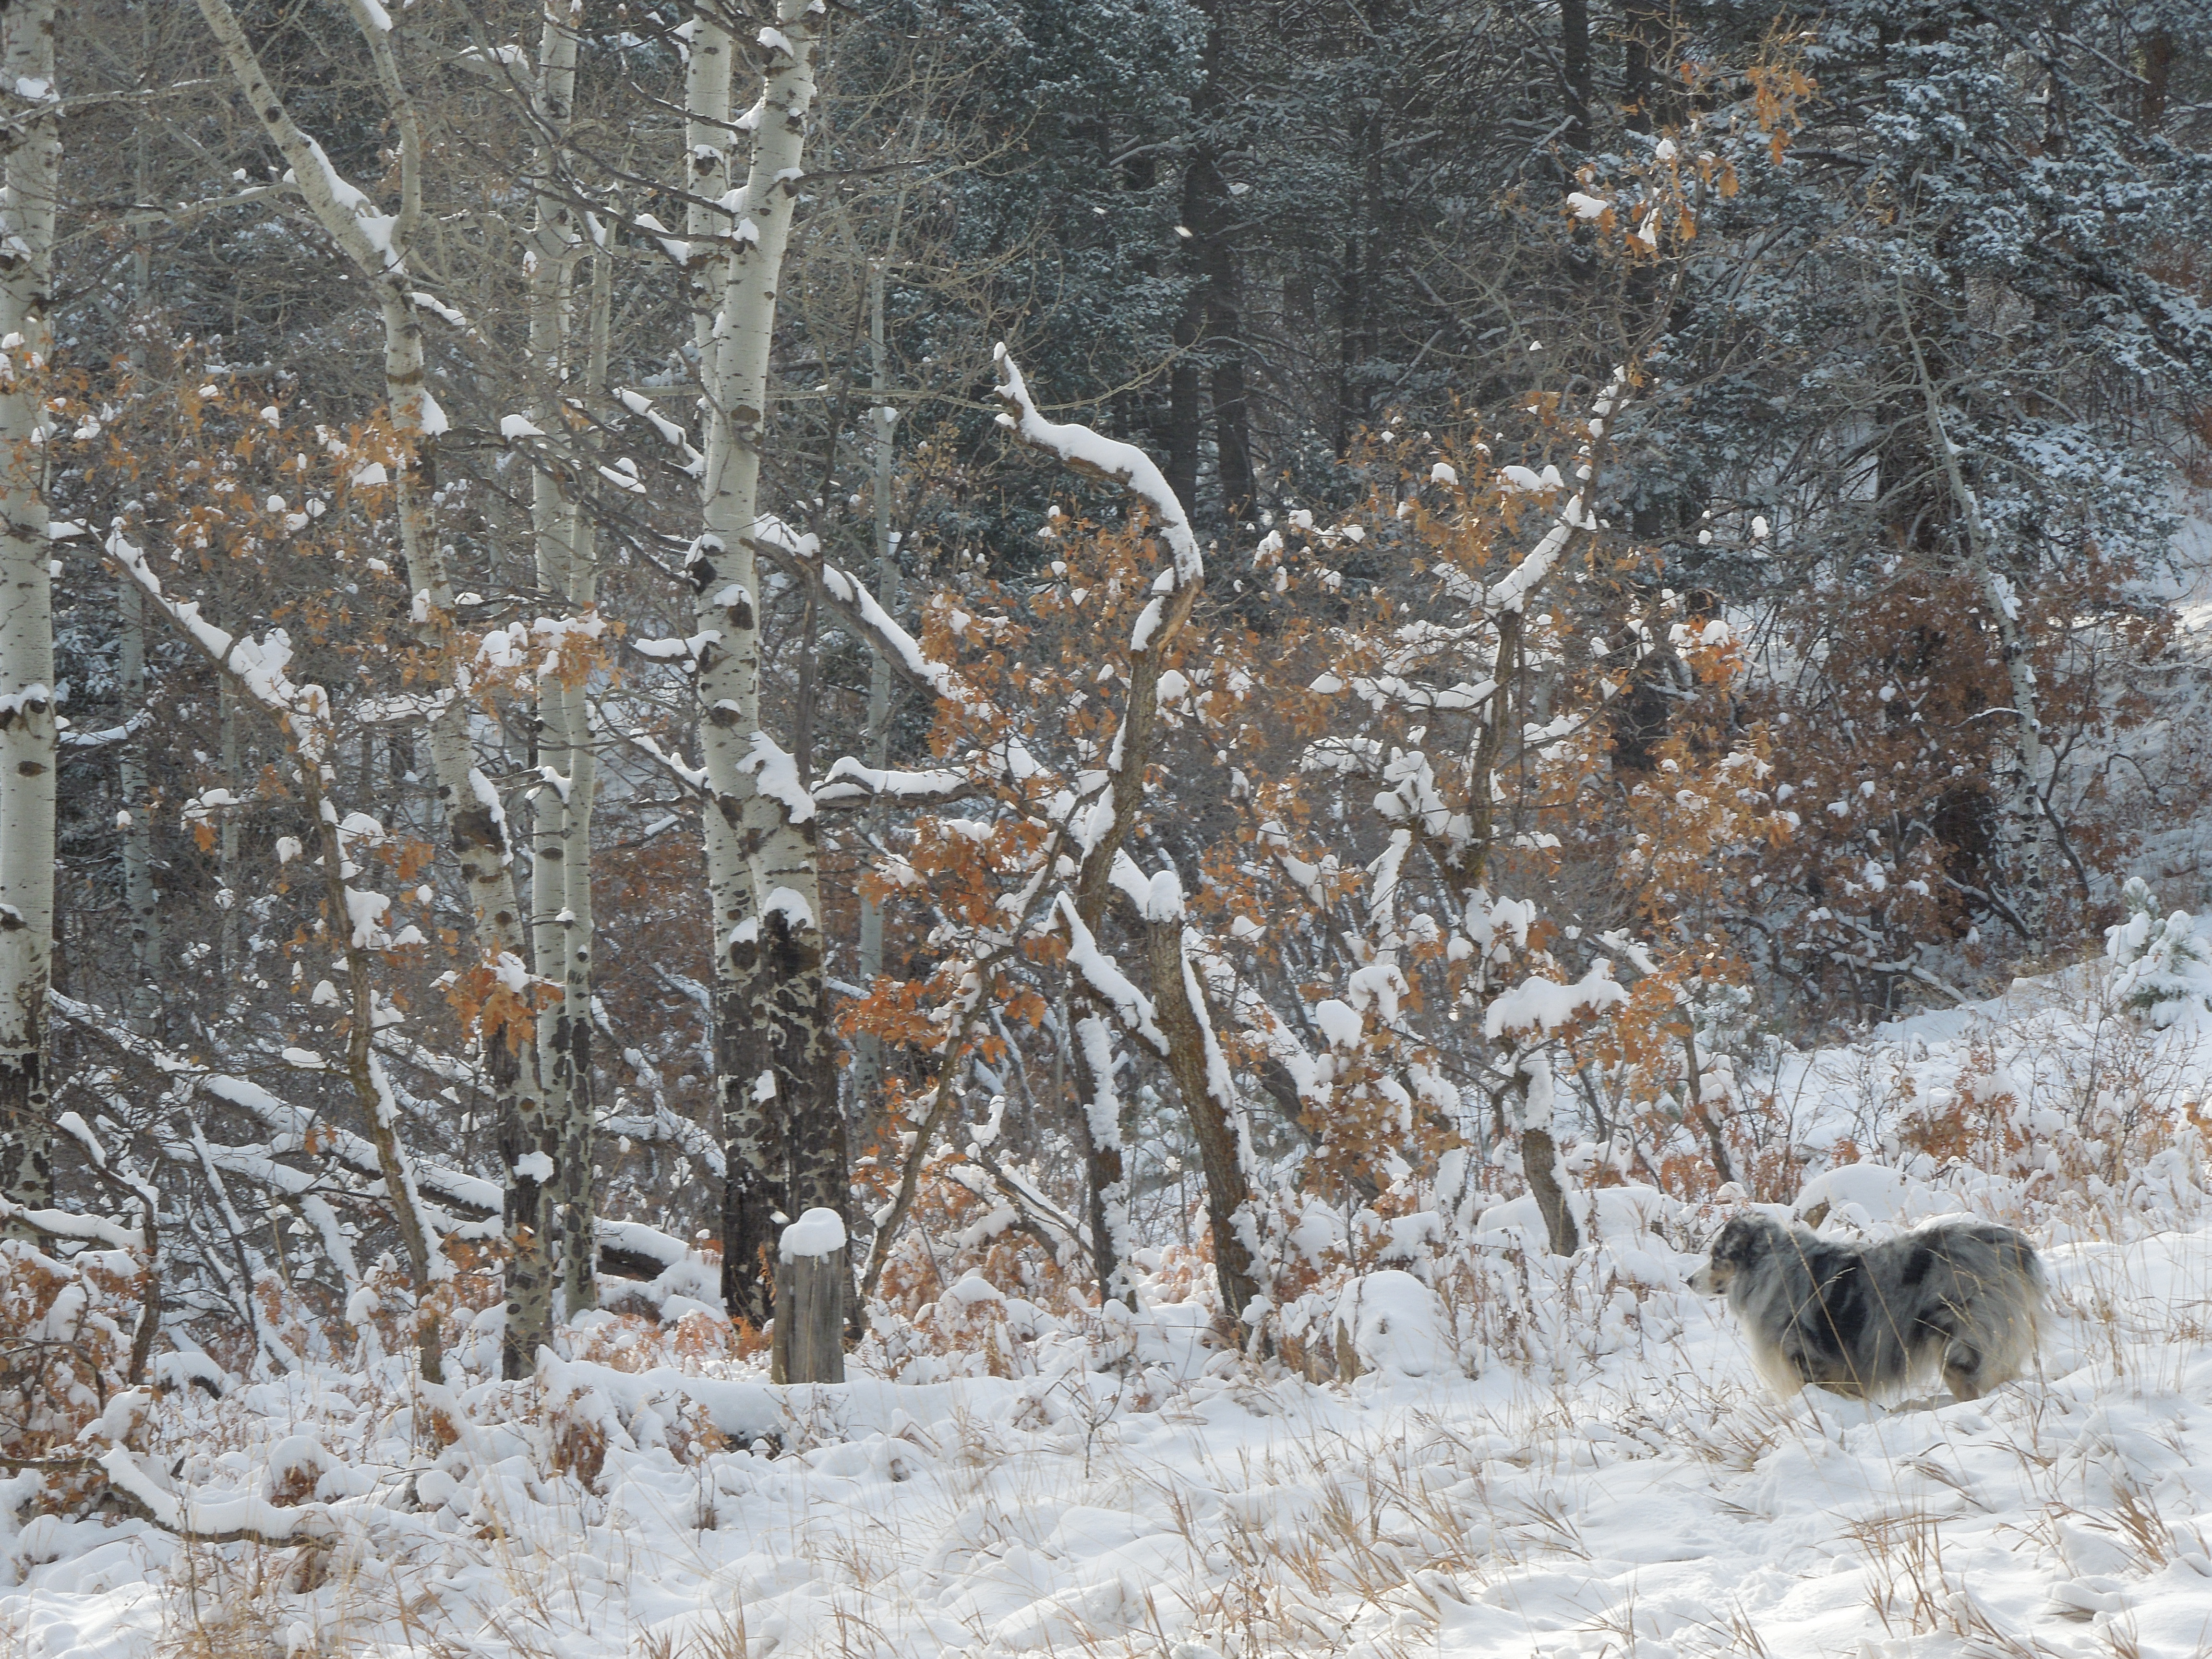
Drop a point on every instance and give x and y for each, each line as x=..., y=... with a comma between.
x=1869, y=1320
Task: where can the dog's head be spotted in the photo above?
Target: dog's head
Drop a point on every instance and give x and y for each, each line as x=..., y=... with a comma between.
x=1734, y=1249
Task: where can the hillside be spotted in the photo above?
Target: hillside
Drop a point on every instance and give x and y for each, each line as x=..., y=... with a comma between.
x=1549, y=1457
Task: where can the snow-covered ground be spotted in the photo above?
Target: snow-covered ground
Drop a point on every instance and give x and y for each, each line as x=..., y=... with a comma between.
x=1657, y=1503
x=1536, y=1456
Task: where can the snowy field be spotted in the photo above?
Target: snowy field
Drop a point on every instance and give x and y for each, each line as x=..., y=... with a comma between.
x=1609, y=1480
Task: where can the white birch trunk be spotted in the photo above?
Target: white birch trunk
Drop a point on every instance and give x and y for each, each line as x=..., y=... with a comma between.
x=141, y=899
x=775, y=1062
x=579, y=1280
x=28, y=723
x=538, y=1203
x=868, y=1048
x=578, y=1127
x=227, y=847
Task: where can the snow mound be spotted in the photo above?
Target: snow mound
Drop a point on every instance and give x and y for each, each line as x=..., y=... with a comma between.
x=1397, y=1324
x=1863, y=1197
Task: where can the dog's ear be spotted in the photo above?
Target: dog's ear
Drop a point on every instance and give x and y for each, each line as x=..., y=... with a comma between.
x=1733, y=1241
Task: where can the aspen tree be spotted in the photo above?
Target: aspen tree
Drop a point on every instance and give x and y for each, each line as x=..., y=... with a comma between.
x=379, y=245
x=28, y=719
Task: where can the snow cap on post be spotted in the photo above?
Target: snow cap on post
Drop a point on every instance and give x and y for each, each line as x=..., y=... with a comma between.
x=814, y=1234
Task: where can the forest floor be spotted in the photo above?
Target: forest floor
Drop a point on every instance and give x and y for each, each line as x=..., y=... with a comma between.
x=1613, y=1480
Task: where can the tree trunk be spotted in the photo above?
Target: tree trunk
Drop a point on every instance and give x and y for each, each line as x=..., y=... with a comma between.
x=28, y=715
x=1575, y=67
x=304, y=713
x=141, y=900
x=228, y=876
x=2026, y=816
x=580, y=1216
x=1540, y=1164
x=1716, y=1140
x=1106, y=1186
x=1540, y=1153
x=1201, y=1078
x=1175, y=590
x=537, y=1189
x=776, y=1056
x=1186, y=400
x=1208, y=212
x=868, y=1048
x=2158, y=55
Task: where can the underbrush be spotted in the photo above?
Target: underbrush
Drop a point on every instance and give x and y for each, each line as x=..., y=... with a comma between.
x=330, y=1500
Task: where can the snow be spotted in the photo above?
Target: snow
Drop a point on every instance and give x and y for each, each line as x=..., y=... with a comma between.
x=534, y=1166
x=1105, y=977
x=376, y=226
x=791, y=905
x=1466, y=1447
x=1638, y=1481
x=775, y=774
x=1397, y=1323
x=817, y=1233
x=848, y=779
x=1339, y=1021
x=1547, y=1005
x=1089, y=451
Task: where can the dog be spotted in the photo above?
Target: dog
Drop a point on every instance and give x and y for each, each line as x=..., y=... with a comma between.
x=1866, y=1322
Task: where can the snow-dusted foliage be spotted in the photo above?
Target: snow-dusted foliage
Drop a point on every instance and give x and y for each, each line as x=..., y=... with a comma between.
x=1463, y=1444
x=2162, y=969
x=993, y=828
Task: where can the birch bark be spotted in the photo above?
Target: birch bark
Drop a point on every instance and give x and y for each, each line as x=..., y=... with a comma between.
x=774, y=1060
x=868, y=1048
x=580, y=1279
x=141, y=900
x=554, y=850
x=28, y=722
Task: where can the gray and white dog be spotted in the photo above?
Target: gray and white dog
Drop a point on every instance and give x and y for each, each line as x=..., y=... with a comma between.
x=1868, y=1320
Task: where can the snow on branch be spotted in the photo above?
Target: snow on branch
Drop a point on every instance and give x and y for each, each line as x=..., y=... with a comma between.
x=236, y=1518
x=1545, y=1004
x=775, y=774
x=1511, y=591
x=65, y=1224
x=1104, y=977
x=1088, y=452
x=693, y=778
x=852, y=601
x=109, y=736
x=848, y=783
x=289, y=1125
x=255, y=666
